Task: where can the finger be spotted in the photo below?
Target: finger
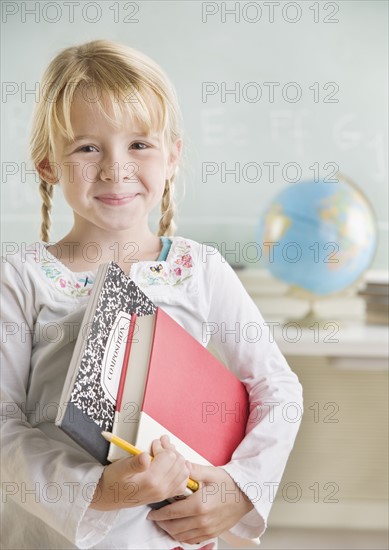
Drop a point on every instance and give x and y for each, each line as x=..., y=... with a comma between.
x=156, y=447
x=179, y=480
x=197, y=539
x=201, y=473
x=181, y=509
x=176, y=473
x=184, y=532
x=166, y=443
x=174, y=528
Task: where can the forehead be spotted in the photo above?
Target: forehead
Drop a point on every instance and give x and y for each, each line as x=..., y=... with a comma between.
x=84, y=112
x=94, y=111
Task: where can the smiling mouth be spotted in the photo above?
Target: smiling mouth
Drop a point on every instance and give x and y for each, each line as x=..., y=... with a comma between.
x=116, y=200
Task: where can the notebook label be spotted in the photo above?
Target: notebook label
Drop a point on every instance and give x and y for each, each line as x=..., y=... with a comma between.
x=114, y=355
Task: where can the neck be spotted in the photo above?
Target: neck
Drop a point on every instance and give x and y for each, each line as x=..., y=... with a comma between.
x=90, y=248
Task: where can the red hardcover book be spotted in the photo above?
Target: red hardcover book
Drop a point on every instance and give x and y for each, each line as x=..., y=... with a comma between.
x=172, y=384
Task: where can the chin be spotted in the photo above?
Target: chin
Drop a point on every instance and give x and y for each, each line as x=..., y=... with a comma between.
x=117, y=228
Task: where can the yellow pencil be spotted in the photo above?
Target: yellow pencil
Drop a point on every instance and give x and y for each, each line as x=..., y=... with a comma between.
x=119, y=442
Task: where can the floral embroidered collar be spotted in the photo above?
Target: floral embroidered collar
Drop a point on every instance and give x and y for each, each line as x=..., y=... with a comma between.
x=177, y=267
x=66, y=281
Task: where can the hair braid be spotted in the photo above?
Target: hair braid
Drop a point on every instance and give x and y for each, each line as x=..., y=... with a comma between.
x=166, y=222
x=46, y=192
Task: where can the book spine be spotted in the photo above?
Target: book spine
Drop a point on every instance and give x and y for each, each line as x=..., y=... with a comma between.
x=126, y=359
x=81, y=343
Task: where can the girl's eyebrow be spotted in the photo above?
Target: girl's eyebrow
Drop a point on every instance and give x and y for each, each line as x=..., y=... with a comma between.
x=132, y=136
x=85, y=136
x=69, y=141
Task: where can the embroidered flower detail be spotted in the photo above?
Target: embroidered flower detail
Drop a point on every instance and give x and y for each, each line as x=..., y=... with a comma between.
x=176, y=269
x=65, y=285
x=186, y=260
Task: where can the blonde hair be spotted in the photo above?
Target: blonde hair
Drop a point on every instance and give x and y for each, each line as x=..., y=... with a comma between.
x=130, y=82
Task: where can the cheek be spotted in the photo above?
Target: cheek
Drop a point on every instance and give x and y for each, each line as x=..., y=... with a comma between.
x=69, y=191
x=153, y=176
x=76, y=173
x=74, y=182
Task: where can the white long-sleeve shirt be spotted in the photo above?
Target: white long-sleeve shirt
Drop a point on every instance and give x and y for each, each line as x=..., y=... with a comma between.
x=47, y=479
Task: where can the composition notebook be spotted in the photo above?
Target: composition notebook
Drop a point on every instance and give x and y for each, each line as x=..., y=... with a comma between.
x=89, y=395
x=172, y=384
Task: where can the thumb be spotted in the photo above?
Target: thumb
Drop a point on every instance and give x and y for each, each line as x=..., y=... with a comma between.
x=199, y=472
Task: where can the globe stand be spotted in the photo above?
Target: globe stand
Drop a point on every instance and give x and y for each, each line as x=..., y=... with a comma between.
x=312, y=322
x=311, y=319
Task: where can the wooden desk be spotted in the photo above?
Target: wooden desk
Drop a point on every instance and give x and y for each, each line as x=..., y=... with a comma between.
x=337, y=473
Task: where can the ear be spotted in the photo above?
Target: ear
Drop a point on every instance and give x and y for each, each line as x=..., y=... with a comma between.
x=173, y=158
x=48, y=171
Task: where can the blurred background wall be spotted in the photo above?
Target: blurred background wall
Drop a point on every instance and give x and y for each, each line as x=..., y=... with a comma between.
x=271, y=93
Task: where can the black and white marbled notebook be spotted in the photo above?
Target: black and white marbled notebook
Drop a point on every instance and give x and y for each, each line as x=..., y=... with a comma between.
x=89, y=395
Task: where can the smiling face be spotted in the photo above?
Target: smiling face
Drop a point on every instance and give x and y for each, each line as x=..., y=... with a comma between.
x=111, y=177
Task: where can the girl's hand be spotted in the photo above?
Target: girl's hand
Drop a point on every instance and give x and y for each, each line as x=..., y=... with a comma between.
x=138, y=480
x=214, y=508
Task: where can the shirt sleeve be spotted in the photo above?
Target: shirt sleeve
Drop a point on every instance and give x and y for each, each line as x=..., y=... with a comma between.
x=244, y=342
x=49, y=479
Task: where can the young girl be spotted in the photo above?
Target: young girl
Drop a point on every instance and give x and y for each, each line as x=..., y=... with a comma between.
x=107, y=132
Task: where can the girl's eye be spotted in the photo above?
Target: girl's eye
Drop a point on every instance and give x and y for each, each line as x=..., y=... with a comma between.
x=139, y=145
x=87, y=149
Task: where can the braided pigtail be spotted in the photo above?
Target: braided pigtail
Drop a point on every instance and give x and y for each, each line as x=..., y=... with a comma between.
x=46, y=192
x=166, y=222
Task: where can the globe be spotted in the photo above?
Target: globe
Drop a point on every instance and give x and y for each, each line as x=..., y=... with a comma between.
x=319, y=236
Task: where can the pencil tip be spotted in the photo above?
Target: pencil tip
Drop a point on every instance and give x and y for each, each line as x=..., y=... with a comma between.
x=106, y=435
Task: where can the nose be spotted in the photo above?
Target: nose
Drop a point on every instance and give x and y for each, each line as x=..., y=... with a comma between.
x=114, y=171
